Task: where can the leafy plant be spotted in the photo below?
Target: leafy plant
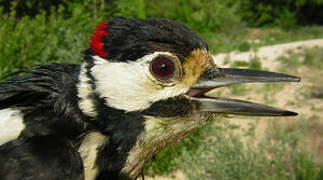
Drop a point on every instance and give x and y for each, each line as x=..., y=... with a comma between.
x=244, y=46
x=283, y=13
x=255, y=63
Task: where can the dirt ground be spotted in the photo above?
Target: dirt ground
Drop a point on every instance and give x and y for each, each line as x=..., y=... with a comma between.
x=289, y=97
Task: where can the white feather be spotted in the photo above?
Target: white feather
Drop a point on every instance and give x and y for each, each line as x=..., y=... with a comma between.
x=130, y=85
x=89, y=150
x=84, y=91
x=11, y=125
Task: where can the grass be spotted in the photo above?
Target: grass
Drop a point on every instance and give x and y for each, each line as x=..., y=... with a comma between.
x=314, y=58
x=165, y=162
x=246, y=39
x=278, y=155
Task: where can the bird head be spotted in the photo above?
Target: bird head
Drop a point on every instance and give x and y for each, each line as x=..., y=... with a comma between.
x=160, y=70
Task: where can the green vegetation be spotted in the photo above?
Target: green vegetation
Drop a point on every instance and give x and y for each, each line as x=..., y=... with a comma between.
x=43, y=39
x=226, y=154
x=40, y=32
x=165, y=161
x=275, y=156
x=314, y=58
x=286, y=14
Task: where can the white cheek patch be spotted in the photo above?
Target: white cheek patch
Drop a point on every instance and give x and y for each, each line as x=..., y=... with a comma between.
x=130, y=86
x=11, y=125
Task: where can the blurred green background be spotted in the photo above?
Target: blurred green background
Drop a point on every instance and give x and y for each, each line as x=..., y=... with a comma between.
x=34, y=32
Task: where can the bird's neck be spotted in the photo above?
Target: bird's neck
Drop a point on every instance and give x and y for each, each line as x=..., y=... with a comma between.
x=112, y=132
x=158, y=133
x=124, y=141
x=116, y=146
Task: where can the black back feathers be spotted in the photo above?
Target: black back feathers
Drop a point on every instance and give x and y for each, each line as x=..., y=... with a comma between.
x=46, y=95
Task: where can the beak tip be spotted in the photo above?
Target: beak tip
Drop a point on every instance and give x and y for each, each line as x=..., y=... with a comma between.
x=297, y=79
x=289, y=113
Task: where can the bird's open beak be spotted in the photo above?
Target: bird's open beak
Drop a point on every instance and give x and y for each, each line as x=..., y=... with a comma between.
x=218, y=77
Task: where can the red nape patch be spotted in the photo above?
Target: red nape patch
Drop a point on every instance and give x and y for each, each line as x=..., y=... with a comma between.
x=96, y=40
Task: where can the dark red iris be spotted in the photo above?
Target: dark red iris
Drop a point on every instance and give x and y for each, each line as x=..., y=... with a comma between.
x=162, y=67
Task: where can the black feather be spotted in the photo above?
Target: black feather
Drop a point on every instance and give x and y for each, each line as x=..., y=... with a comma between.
x=47, y=97
x=130, y=39
x=38, y=158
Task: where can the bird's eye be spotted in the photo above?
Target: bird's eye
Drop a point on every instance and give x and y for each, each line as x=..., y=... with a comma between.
x=163, y=67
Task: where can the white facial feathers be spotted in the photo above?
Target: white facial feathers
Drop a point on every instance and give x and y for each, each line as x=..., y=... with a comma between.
x=130, y=85
x=84, y=91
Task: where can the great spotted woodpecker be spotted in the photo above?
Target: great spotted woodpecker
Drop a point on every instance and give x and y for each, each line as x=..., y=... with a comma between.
x=139, y=89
